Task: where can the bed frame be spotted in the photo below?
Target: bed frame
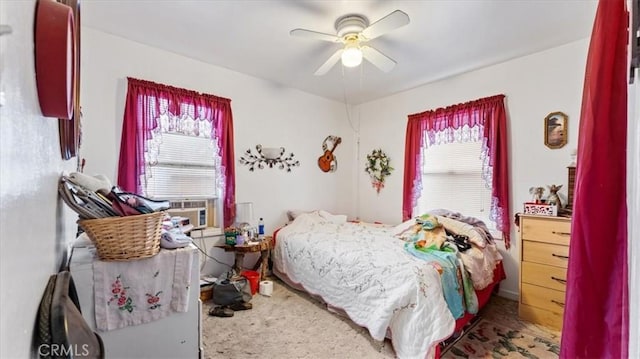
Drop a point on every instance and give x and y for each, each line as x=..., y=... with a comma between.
x=468, y=319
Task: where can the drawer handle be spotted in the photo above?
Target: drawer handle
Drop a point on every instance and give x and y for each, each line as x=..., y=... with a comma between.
x=559, y=280
x=561, y=233
x=559, y=256
x=558, y=303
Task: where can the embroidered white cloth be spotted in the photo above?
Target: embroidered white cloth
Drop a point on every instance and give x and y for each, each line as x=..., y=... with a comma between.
x=140, y=291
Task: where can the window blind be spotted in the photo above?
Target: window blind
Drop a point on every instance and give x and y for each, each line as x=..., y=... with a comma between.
x=185, y=168
x=452, y=179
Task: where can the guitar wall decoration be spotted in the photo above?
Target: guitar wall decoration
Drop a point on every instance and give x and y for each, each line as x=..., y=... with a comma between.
x=328, y=162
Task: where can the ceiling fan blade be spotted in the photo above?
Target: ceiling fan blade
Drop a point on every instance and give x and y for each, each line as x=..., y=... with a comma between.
x=329, y=63
x=380, y=60
x=314, y=35
x=388, y=23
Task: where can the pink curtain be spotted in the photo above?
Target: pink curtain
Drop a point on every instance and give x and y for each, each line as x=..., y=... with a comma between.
x=145, y=102
x=596, y=305
x=487, y=113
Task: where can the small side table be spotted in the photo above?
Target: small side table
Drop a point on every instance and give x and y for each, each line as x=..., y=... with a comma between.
x=264, y=247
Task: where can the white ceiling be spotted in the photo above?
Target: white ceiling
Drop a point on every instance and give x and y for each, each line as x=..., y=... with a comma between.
x=444, y=37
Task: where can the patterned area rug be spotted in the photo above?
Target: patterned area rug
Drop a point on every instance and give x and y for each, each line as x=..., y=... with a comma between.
x=491, y=340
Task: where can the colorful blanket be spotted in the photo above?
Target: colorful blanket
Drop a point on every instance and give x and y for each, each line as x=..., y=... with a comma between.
x=456, y=285
x=429, y=241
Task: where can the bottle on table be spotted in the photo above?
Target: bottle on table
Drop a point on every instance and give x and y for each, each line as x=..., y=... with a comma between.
x=261, y=229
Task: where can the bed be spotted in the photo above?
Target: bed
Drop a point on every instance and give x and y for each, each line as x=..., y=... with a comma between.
x=364, y=271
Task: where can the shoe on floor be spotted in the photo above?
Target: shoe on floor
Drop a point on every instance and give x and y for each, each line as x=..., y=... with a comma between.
x=241, y=306
x=221, y=312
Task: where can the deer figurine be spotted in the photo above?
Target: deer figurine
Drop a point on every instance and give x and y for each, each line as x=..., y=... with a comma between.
x=553, y=197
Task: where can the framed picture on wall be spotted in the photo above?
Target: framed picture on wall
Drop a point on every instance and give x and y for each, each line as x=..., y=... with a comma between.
x=555, y=130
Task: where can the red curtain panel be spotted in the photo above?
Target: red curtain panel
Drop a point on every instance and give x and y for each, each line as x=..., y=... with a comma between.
x=596, y=305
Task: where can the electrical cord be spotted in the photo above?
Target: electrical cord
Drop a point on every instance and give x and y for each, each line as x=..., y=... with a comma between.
x=208, y=256
x=202, y=257
x=355, y=129
x=346, y=105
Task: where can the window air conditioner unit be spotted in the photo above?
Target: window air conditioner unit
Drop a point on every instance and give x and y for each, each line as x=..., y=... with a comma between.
x=194, y=210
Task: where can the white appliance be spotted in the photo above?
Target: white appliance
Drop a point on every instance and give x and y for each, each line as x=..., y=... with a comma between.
x=195, y=210
x=175, y=336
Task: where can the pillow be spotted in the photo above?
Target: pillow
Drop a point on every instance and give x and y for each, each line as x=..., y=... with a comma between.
x=463, y=228
x=292, y=214
x=333, y=218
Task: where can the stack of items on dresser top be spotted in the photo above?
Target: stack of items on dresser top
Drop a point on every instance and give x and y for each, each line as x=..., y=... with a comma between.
x=94, y=197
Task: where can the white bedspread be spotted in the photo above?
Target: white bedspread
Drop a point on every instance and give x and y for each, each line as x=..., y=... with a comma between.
x=366, y=272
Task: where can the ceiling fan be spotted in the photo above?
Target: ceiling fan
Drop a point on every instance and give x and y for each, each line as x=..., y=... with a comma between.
x=353, y=31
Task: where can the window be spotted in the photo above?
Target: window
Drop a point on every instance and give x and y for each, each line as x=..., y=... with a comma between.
x=185, y=168
x=452, y=179
x=177, y=144
x=182, y=158
x=481, y=123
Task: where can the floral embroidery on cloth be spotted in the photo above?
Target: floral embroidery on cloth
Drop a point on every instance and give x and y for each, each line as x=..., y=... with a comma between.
x=153, y=300
x=140, y=291
x=120, y=296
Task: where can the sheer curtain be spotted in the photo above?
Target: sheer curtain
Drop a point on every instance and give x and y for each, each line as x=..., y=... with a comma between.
x=484, y=117
x=146, y=105
x=596, y=305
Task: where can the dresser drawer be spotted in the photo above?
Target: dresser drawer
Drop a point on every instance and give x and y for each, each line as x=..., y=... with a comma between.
x=544, y=253
x=543, y=298
x=549, y=230
x=544, y=275
x=540, y=316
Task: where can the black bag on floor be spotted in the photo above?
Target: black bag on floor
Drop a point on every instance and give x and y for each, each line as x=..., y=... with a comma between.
x=231, y=291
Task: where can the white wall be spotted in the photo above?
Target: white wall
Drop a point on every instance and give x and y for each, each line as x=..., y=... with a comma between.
x=34, y=225
x=534, y=86
x=263, y=113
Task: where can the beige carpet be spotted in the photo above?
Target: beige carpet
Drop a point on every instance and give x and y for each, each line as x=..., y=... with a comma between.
x=291, y=324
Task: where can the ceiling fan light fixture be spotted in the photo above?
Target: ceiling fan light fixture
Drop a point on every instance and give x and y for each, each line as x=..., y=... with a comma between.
x=354, y=31
x=351, y=56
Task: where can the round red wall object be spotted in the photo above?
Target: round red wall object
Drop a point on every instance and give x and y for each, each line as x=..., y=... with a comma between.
x=55, y=58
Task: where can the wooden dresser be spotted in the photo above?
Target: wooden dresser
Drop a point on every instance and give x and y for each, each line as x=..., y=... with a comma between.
x=543, y=268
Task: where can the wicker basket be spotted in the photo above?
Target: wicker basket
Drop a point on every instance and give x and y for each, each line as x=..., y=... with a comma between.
x=125, y=238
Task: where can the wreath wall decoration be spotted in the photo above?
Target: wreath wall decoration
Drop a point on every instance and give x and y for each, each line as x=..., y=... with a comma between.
x=378, y=168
